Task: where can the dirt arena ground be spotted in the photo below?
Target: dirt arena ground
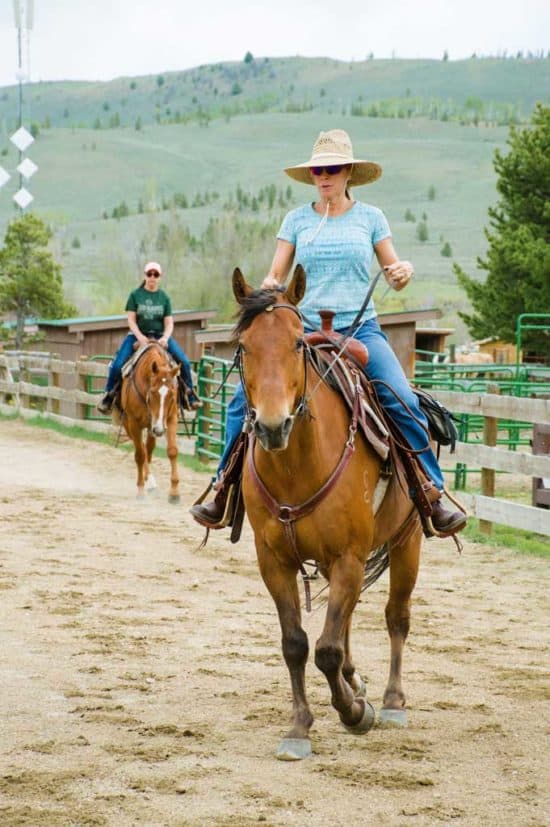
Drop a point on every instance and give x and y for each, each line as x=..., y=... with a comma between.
x=141, y=680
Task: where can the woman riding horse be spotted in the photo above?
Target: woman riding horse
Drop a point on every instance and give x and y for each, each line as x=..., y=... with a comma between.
x=335, y=239
x=149, y=318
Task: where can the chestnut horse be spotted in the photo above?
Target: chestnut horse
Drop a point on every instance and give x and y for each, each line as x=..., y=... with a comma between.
x=149, y=401
x=309, y=492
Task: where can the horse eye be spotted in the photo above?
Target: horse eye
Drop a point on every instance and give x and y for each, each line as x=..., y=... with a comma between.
x=299, y=344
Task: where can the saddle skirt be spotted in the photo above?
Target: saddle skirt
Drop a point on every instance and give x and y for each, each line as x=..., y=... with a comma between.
x=347, y=378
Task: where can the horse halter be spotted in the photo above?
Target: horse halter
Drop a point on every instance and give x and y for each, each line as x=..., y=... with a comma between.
x=302, y=407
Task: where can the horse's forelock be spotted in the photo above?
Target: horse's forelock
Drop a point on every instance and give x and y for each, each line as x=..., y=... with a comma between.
x=252, y=306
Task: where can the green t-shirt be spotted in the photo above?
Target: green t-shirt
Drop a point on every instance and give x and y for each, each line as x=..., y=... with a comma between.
x=150, y=309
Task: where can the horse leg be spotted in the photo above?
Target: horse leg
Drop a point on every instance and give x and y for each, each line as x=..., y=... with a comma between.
x=346, y=577
x=281, y=583
x=404, y=559
x=139, y=456
x=349, y=671
x=172, y=451
x=149, y=448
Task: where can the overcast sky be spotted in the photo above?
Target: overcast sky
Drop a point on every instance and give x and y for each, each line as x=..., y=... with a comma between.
x=103, y=39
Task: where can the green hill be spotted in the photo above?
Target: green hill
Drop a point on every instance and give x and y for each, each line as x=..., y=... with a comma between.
x=492, y=89
x=203, y=195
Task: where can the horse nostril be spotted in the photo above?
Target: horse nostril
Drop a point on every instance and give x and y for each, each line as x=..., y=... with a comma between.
x=287, y=425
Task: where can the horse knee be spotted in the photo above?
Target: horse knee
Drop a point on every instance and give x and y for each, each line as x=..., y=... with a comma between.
x=329, y=658
x=295, y=647
x=398, y=620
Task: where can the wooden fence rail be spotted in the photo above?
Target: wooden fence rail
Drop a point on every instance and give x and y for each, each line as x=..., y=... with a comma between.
x=26, y=380
x=491, y=509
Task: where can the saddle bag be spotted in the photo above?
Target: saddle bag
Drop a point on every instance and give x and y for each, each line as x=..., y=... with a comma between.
x=441, y=422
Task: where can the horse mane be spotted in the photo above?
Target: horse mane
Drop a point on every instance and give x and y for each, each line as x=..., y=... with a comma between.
x=252, y=306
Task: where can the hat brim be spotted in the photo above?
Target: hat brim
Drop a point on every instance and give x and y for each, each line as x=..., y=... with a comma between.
x=363, y=172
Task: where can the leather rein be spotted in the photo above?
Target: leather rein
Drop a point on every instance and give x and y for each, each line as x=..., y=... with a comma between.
x=289, y=514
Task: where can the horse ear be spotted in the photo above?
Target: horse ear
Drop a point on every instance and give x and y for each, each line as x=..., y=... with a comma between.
x=240, y=288
x=154, y=367
x=297, y=287
x=175, y=371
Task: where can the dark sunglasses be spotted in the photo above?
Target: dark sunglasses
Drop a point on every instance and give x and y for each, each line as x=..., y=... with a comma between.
x=153, y=273
x=333, y=170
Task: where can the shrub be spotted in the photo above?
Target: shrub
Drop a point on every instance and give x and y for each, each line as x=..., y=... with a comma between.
x=422, y=231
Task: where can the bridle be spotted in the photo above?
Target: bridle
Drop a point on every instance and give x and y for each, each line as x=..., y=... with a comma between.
x=285, y=513
x=301, y=406
x=146, y=400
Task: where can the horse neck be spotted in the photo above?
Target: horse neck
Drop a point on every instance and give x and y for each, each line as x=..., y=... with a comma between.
x=141, y=375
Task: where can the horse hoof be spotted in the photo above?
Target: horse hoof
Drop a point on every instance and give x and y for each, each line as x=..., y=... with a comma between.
x=174, y=499
x=366, y=721
x=393, y=717
x=294, y=749
x=140, y=495
x=359, y=686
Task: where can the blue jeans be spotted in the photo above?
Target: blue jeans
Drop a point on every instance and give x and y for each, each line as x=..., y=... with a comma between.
x=383, y=364
x=126, y=350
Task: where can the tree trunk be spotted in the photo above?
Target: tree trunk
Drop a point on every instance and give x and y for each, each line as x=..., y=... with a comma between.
x=19, y=331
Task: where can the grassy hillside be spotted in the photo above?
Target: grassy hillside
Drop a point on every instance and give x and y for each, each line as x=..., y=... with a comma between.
x=490, y=89
x=175, y=152
x=85, y=173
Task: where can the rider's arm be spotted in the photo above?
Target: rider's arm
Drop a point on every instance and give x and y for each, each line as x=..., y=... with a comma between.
x=168, y=329
x=133, y=325
x=398, y=273
x=280, y=266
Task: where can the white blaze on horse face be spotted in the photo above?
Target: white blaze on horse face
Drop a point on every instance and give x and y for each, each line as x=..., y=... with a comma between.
x=158, y=425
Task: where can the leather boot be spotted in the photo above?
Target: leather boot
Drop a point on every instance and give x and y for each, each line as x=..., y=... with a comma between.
x=446, y=521
x=212, y=514
x=105, y=405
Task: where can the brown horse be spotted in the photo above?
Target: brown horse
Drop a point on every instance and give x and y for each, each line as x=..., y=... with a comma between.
x=309, y=490
x=149, y=401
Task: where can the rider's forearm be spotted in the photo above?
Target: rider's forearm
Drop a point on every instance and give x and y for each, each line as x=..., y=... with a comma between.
x=168, y=326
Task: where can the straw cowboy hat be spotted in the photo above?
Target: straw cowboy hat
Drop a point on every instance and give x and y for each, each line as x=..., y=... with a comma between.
x=333, y=148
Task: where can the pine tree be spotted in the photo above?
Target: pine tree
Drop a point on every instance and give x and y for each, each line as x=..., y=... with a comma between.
x=518, y=257
x=30, y=279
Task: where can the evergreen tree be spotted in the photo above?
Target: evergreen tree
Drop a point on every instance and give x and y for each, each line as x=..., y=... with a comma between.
x=518, y=257
x=30, y=279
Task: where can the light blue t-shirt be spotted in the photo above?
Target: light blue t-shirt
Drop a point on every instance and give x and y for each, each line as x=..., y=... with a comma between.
x=337, y=260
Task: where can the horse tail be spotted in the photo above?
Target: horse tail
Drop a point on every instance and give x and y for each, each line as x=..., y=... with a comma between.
x=377, y=563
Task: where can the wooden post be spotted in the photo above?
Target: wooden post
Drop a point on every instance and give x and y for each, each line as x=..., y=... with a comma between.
x=53, y=382
x=24, y=376
x=81, y=385
x=490, y=430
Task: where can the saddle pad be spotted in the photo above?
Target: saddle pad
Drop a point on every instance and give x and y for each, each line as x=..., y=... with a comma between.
x=129, y=366
x=342, y=378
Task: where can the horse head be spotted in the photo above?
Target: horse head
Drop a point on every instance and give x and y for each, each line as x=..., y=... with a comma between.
x=162, y=394
x=270, y=334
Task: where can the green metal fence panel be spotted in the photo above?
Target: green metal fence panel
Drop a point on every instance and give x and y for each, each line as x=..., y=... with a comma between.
x=216, y=387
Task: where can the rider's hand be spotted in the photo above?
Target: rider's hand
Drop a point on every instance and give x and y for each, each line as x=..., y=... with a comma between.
x=399, y=274
x=163, y=341
x=270, y=283
x=142, y=340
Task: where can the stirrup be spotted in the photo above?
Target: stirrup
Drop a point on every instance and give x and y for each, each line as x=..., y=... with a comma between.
x=229, y=508
x=431, y=531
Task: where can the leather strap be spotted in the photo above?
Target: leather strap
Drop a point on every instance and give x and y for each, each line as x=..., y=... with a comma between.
x=289, y=514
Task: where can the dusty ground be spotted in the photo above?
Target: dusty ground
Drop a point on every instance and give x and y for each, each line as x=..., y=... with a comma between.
x=141, y=681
